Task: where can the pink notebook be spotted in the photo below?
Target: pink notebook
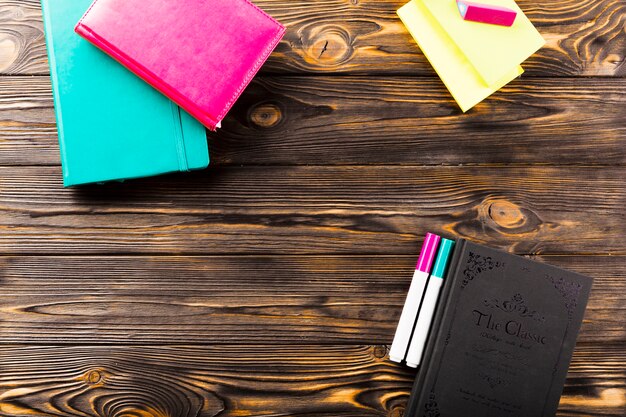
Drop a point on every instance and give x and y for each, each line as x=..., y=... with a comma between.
x=199, y=53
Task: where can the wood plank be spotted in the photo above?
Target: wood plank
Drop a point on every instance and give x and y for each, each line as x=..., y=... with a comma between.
x=584, y=38
x=242, y=300
x=28, y=129
x=316, y=210
x=361, y=120
x=252, y=381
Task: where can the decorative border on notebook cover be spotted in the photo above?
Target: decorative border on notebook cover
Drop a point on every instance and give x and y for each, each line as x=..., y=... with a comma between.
x=515, y=304
x=431, y=408
x=569, y=290
x=477, y=264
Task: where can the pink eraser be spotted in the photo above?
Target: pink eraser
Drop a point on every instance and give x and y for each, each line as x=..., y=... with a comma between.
x=486, y=13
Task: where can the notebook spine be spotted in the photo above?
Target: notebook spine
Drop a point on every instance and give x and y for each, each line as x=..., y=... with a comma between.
x=179, y=138
x=146, y=75
x=47, y=21
x=194, y=142
x=418, y=393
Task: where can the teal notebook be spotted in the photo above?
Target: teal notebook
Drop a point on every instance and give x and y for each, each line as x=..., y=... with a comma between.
x=112, y=125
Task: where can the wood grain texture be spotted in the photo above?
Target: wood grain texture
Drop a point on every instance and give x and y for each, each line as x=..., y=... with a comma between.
x=242, y=300
x=27, y=122
x=363, y=120
x=365, y=36
x=293, y=250
x=251, y=381
x=314, y=210
x=22, y=42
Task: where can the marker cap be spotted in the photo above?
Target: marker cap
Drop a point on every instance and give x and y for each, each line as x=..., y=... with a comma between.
x=428, y=252
x=443, y=258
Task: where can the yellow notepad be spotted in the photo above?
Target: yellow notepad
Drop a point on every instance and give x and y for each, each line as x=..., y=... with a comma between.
x=493, y=50
x=459, y=66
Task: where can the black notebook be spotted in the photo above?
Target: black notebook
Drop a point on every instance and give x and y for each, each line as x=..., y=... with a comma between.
x=502, y=337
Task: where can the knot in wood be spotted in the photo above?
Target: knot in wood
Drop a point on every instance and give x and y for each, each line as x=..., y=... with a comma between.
x=396, y=412
x=9, y=50
x=328, y=45
x=266, y=115
x=506, y=214
x=94, y=377
x=380, y=351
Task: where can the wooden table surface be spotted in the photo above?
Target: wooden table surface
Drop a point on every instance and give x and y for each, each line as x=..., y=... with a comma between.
x=271, y=284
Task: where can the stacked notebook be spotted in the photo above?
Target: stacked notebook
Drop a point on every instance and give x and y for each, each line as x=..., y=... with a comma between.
x=473, y=59
x=189, y=61
x=493, y=333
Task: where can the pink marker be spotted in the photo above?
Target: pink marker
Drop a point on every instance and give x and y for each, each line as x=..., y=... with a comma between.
x=486, y=13
x=401, y=340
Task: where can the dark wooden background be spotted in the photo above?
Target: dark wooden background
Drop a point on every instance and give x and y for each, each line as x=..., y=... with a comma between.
x=271, y=283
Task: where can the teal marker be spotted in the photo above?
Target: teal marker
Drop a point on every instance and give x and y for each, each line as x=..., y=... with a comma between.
x=443, y=259
x=425, y=315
